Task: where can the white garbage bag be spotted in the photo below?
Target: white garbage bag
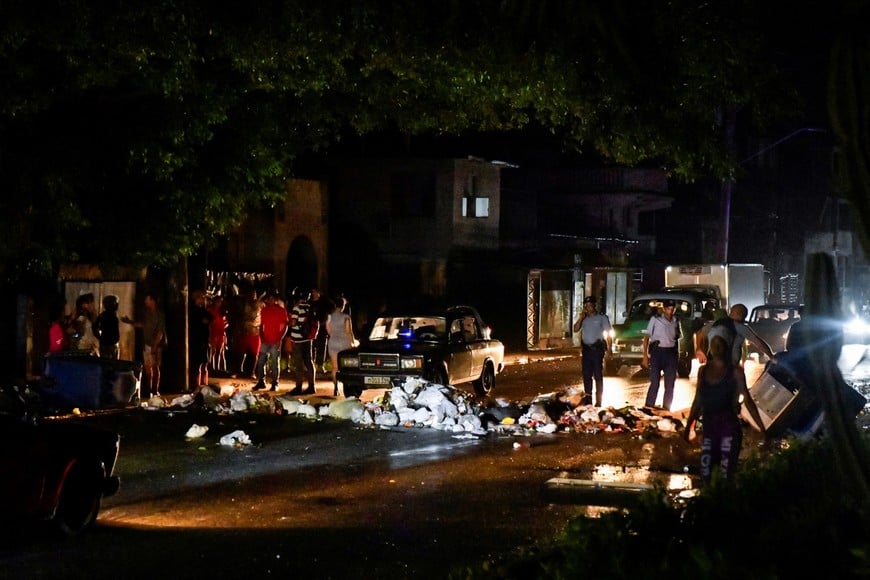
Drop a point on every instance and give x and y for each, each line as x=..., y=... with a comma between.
x=288, y=404
x=236, y=439
x=363, y=418
x=210, y=396
x=306, y=410
x=446, y=408
x=537, y=414
x=412, y=385
x=155, y=403
x=429, y=396
x=406, y=415
x=590, y=414
x=358, y=413
x=344, y=409
x=398, y=398
x=242, y=400
x=470, y=423
x=185, y=400
x=387, y=419
x=196, y=431
x=421, y=415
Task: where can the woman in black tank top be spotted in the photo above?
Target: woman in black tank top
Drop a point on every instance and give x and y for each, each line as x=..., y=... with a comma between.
x=717, y=407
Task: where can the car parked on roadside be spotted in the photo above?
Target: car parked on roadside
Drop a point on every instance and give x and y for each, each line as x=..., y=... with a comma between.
x=772, y=323
x=691, y=307
x=450, y=347
x=53, y=472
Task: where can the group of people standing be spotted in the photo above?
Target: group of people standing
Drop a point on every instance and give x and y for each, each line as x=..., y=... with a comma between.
x=89, y=333
x=259, y=330
x=721, y=383
x=255, y=330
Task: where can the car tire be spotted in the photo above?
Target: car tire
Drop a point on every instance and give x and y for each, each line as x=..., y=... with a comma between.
x=351, y=391
x=484, y=385
x=611, y=367
x=80, y=498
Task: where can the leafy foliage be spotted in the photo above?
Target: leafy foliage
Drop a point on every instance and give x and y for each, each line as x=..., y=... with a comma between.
x=788, y=514
x=135, y=133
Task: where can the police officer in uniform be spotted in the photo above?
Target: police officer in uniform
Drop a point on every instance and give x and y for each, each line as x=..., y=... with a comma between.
x=660, y=353
x=596, y=341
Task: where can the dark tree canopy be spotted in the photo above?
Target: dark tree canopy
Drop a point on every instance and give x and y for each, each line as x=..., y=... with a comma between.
x=134, y=133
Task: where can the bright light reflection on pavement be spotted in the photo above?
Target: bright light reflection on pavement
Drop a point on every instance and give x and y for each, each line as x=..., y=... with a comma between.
x=410, y=457
x=609, y=473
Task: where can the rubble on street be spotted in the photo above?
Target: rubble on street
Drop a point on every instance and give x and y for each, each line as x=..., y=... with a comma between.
x=417, y=403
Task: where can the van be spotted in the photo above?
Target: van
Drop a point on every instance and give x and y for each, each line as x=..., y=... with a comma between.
x=693, y=309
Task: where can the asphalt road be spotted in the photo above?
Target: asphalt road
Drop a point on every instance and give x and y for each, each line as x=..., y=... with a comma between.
x=331, y=499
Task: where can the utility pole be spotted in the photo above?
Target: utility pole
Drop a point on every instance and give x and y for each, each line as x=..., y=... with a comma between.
x=730, y=122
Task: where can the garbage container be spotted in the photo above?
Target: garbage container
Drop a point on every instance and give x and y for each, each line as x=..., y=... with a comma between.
x=786, y=406
x=71, y=380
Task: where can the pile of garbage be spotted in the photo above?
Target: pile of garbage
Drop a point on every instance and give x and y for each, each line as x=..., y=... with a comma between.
x=416, y=403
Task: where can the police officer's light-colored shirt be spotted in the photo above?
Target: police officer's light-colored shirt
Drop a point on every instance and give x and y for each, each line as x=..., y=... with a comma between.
x=660, y=329
x=594, y=327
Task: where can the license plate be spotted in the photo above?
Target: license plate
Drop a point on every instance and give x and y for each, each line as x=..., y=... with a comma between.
x=637, y=348
x=377, y=380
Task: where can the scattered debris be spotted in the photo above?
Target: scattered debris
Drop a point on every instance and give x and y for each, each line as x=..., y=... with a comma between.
x=417, y=403
x=182, y=401
x=196, y=431
x=236, y=439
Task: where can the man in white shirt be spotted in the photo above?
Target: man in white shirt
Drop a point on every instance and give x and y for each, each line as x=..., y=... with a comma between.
x=595, y=340
x=735, y=331
x=660, y=353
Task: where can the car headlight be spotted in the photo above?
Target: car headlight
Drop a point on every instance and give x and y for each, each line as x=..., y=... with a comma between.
x=350, y=362
x=856, y=325
x=411, y=363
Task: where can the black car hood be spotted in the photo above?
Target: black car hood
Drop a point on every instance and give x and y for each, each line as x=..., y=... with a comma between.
x=401, y=347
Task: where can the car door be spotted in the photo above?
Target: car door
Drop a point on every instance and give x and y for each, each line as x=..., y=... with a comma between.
x=460, y=363
x=478, y=346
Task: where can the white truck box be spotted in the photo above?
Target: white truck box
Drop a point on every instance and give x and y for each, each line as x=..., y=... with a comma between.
x=737, y=283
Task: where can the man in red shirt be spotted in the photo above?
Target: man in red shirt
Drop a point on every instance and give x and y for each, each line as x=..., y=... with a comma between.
x=273, y=327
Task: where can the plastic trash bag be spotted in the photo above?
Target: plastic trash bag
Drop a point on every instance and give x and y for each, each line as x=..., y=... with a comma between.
x=289, y=404
x=185, y=400
x=430, y=396
x=307, y=410
x=387, y=419
x=196, y=431
x=344, y=409
x=236, y=439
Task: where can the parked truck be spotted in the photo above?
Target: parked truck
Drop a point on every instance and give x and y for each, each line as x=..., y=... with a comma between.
x=730, y=283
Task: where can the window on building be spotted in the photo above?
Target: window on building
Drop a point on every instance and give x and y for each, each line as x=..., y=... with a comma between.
x=474, y=205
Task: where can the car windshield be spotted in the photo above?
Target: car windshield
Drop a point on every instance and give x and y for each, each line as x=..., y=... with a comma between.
x=644, y=309
x=775, y=314
x=409, y=328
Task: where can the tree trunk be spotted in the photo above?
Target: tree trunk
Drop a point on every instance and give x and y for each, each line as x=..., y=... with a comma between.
x=822, y=330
